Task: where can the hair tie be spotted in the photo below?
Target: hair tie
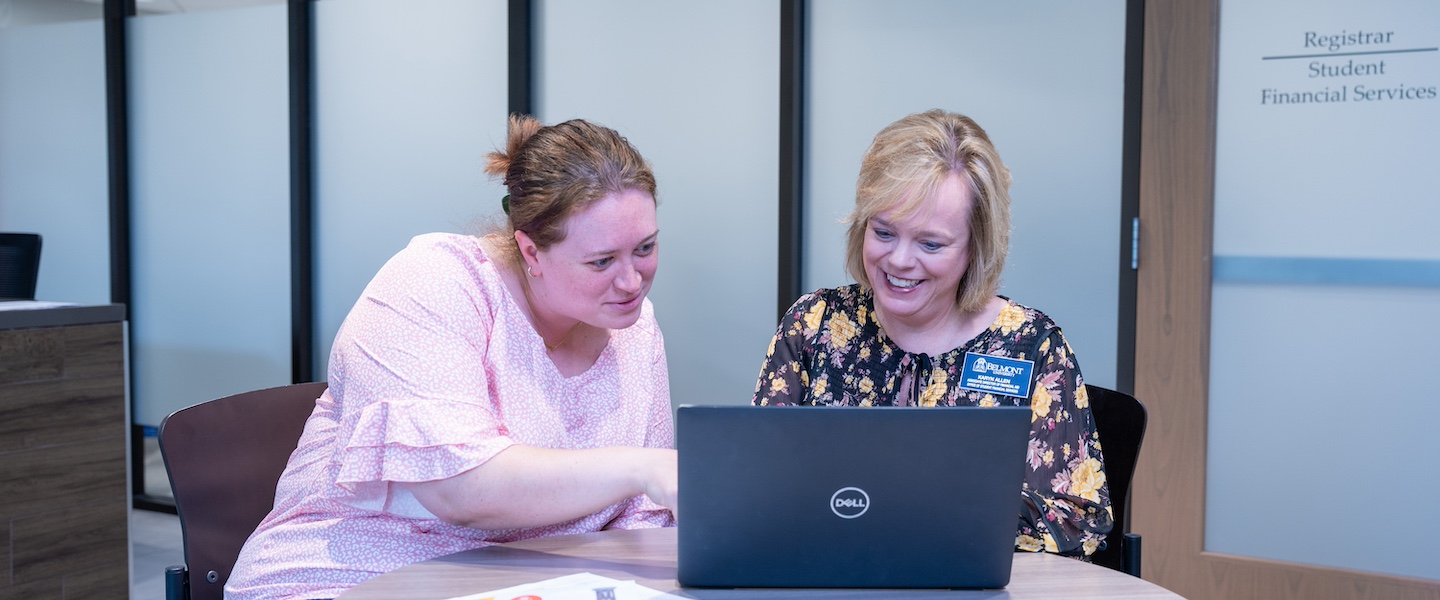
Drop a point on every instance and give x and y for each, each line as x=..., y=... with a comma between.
x=505, y=204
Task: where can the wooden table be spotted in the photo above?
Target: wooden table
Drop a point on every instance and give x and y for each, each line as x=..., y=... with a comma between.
x=648, y=557
x=64, y=521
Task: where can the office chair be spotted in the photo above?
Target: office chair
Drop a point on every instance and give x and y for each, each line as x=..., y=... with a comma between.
x=1120, y=419
x=19, y=265
x=224, y=458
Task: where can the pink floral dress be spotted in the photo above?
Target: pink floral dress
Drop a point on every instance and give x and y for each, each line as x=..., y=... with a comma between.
x=435, y=371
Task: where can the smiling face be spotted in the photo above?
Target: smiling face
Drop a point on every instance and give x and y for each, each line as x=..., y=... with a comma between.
x=601, y=272
x=915, y=262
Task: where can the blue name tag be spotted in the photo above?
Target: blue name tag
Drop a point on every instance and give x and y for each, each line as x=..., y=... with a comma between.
x=997, y=375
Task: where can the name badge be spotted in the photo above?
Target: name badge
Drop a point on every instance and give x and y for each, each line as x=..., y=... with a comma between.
x=997, y=375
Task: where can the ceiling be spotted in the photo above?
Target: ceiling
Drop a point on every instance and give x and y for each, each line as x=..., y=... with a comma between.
x=179, y=6
x=19, y=13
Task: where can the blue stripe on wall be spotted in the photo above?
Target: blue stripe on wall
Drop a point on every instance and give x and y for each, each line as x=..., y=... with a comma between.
x=1327, y=271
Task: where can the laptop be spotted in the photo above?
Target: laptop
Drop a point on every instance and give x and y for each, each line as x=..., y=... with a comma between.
x=828, y=497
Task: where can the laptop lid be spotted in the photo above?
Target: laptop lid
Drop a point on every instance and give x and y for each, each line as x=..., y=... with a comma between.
x=849, y=497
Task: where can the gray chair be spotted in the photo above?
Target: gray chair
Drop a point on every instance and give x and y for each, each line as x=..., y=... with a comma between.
x=19, y=265
x=224, y=459
x=1120, y=419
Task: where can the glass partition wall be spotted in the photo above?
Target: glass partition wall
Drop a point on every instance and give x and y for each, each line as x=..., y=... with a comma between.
x=52, y=143
x=408, y=96
x=210, y=208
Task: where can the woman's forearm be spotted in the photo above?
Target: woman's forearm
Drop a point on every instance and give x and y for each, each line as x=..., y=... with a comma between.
x=525, y=486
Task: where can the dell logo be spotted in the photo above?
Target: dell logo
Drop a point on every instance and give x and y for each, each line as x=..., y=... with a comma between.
x=849, y=502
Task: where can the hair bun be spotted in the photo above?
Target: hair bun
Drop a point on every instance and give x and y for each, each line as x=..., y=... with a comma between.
x=522, y=128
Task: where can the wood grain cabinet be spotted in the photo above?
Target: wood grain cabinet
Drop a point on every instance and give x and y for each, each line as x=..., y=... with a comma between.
x=64, y=501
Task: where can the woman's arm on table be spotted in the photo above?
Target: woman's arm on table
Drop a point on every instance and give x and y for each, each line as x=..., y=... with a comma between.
x=525, y=486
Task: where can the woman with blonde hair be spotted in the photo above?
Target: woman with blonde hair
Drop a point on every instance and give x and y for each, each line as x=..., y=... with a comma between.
x=488, y=389
x=926, y=245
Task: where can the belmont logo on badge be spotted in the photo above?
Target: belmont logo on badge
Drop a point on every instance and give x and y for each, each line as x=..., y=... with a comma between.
x=849, y=502
x=982, y=366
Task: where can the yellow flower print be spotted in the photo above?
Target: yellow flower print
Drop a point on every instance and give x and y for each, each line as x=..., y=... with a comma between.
x=1039, y=403
x=820, y=385
x=1045, y=346
x=1082, y=397
x=805, y=378
x=812, y=318
x=1086, y=480
x=862, y=314
x=777, y=385
x=866, y=385
x=1050, y=544
x=1066, y=449
x=1010, y=319
x=842, y=330
x=1049, y=457
x=1089, y=545
x=771, y=352
x=936, y=388
x=989, y=401
x=1028, y=544
x=864, y=352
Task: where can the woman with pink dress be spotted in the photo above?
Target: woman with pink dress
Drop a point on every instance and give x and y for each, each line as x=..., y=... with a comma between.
x=488, y=389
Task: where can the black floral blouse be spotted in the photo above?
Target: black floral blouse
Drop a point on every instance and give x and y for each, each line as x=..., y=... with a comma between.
x=830, y=350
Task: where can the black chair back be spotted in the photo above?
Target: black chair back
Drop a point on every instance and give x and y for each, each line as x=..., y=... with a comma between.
x=1120, y=419
x=224, y=458
x=19, y=265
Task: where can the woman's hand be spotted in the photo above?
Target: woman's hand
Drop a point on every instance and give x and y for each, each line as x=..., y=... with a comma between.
x=661, y=479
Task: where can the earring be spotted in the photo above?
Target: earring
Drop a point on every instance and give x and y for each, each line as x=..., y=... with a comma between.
x=530, y=270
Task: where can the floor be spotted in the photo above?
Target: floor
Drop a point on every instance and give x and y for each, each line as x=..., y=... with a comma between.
x=155, y=541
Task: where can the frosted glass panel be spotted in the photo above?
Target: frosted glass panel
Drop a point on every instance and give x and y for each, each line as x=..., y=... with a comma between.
x=1045, y=80
x=1327, y=274
x=52, y=153
x=410, y=95
x=694, y=86
x=1321, y=419
x=1350, y=172
x=211, y=206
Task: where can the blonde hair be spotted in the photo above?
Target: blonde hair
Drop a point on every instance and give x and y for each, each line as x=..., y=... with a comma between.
x=553, y=172
x=906, y=163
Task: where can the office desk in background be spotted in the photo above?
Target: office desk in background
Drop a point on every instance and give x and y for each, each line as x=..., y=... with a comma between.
x=63, y=425
x=648, y=557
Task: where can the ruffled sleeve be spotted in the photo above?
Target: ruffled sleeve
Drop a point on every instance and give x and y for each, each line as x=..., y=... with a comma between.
x=409, y=371
x=1066, y=499
x=417, y=440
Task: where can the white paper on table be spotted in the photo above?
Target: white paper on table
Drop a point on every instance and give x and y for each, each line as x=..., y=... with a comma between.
x=580, y=586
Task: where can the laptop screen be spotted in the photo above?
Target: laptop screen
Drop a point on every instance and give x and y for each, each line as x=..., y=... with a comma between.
x=849, y=497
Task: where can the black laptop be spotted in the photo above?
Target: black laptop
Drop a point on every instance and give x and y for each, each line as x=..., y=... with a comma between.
x=849, y=497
